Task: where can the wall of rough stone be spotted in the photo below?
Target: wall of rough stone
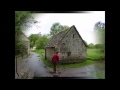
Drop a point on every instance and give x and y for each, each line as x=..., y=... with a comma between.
x=23, y=70
x=72, y=49
x=49, y=53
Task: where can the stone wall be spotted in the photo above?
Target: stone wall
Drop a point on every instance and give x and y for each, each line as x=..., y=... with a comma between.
x=23, y=70
x=72, y=49
x=49, y=53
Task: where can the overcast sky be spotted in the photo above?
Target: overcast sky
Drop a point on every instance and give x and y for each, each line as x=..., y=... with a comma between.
x=84, y=22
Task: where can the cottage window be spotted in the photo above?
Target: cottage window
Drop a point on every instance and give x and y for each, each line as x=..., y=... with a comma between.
x=68, y=53
x=62, y=57
x=73, y=35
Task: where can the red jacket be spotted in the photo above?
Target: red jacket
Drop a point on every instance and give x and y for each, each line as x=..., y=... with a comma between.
x=55, y=58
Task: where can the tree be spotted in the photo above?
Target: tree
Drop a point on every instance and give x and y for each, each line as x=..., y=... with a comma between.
x=99, y=29
x=42, y=41
x=33, y=39
x=99, y=46
x=99, y=25
x=23, y=19
x=56, y=28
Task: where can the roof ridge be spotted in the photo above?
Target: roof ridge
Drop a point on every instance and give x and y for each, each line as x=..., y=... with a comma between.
x=67, y=30
x=60, y=36
x=80, y=36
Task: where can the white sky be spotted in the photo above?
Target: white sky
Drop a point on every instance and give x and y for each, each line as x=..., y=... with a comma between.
x=84, y=22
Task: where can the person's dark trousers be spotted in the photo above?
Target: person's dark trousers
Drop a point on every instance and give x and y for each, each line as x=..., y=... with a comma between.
x=55, y=67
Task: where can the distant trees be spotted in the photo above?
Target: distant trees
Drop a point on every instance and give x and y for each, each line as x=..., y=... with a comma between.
x=99, y=25
x=38, y=40
x=33, y=39
x=91, y=45
x=96, y=46
x=42, y=41
x=99, y=29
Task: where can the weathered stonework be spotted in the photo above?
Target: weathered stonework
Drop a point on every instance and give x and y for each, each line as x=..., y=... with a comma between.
x=70, y=46
x=23, y=70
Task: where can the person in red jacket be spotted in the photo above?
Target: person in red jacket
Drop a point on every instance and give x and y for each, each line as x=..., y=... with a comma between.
x=55, y=60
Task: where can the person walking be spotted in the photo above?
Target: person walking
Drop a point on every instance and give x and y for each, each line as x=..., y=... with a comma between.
x=55, y=60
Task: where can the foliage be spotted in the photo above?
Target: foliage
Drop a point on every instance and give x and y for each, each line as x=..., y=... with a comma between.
x=33, y=39
x=91, y=45
x=21, y=49
x=99, y=29
x=99, y=25
x=38, y=40
x=99, y=46
x=42, y=41
x=56, y=28
x=23, y=19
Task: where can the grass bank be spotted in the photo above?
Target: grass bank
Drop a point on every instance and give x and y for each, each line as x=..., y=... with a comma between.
x=92, y=56
x=95, y=54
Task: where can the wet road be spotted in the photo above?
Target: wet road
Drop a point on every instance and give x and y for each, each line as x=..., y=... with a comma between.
x=92, y=71
x=37, y=66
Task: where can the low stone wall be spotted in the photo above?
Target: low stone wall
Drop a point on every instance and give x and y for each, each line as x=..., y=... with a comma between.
x=25, y=74
x=23, y=70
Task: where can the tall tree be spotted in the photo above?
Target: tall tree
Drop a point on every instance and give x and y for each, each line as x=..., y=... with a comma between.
x=56, y=28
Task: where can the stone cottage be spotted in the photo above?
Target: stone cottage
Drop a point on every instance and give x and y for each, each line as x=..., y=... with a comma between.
x=27, y=42
x=70, y=46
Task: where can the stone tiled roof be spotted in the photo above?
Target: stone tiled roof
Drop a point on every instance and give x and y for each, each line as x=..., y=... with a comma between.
x=59, y=37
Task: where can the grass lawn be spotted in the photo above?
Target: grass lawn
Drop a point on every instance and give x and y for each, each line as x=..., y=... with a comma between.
x=95, y=54
x=92, y=56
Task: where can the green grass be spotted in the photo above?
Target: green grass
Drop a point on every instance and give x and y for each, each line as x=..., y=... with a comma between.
x=95, y=54
x=41, y=52
x=92, y=54
x=75, y=65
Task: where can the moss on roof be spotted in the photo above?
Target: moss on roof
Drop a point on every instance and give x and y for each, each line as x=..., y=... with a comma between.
x=59, y=37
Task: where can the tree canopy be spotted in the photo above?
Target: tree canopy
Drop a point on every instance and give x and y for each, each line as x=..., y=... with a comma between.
x=57, y=27
x=39, y=41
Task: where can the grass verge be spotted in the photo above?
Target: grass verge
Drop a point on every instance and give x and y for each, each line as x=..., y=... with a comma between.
x=93, y=55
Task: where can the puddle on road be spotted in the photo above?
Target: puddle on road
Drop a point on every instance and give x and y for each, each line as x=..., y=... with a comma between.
x=97, y=70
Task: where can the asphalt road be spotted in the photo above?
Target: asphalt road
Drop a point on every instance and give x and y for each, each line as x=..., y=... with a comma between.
x=41, y=70
x=37, y=65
